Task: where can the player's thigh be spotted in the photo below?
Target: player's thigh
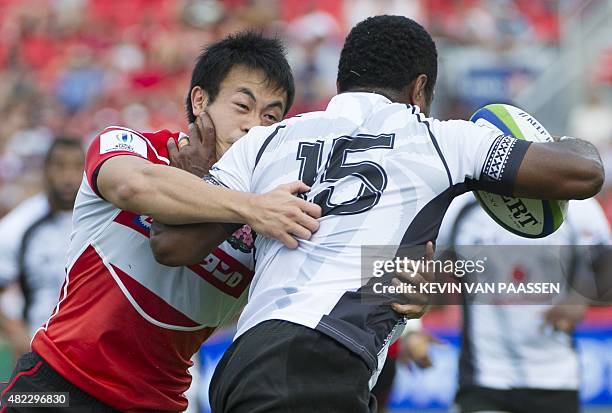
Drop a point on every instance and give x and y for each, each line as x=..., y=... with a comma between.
x=325, y=376
x=281, y=367
x=250, y=377
x=474, y=399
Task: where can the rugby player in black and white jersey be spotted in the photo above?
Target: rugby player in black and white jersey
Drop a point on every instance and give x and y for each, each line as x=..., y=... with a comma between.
x=383, y=173
x=34, y=239
x=521, y=358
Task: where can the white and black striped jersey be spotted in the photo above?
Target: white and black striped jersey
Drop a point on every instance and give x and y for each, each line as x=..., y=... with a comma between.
x=383, y=174
x=511, y=346
x=33, y=245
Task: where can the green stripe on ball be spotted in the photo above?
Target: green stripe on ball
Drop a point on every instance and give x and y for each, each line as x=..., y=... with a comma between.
x=502, y=113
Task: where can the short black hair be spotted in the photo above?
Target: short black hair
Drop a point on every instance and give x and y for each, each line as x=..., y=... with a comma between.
x=63, y=142
x=387, y=52
x=250, y=49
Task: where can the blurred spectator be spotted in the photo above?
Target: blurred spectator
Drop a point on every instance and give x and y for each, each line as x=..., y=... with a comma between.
x=34, y=241
x=314, y=55
x=74, y=66
x=81, y=82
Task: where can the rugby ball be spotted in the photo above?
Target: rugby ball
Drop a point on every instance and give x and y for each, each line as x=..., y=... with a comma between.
x=530, y=218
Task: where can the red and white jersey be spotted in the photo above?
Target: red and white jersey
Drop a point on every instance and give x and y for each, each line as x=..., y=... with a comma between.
x=126, y=327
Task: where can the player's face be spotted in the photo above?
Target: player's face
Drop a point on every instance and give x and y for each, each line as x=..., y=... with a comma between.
x=63, y=175
x=245, y=100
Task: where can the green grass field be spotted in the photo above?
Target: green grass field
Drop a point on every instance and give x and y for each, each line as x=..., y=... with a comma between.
x=6, y=361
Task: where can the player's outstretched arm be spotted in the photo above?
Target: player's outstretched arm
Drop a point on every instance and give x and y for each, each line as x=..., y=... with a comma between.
x=175, y=197
x=166, y=194
x=568, y=169
x=177, y=245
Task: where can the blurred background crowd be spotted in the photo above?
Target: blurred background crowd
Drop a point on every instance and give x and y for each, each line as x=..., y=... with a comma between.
x=72, y=67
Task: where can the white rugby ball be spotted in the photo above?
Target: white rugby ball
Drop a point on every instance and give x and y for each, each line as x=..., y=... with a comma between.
x=530, y=218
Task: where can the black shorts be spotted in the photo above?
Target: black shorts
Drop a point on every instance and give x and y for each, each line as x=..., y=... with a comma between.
x=281, y=367
x=33, y=374
x=475, y=399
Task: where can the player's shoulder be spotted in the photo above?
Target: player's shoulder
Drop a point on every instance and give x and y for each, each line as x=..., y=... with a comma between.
x=288, y=122
x=157, y=139
x=25, y=214
x=152, y=145
x=454, y=134
x=258, y=135
x=161, y=137
x=309, y=121
x=301, y=119
x=452, y=125
x=263, y=136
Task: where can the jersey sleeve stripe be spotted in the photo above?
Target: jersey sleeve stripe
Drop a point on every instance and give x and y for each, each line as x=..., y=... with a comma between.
x=435, y=144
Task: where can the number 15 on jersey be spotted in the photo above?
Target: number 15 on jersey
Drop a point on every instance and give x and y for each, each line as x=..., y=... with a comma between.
x=372, y=176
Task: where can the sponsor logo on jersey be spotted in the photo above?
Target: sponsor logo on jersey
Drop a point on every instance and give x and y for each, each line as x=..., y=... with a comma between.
x=125, y=138
x=242, y=239
x=143, y=222
x=121, y=140
x=140, y=223
x=224, y=272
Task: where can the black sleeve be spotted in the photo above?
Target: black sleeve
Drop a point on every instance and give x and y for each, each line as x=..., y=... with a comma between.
x=501, y=165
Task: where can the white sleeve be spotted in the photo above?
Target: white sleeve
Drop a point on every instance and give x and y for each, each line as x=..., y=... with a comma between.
x=235, y=168
x=479, y=155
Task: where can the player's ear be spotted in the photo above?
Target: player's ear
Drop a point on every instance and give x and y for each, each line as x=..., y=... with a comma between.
x=199, y=100
x=418, y=96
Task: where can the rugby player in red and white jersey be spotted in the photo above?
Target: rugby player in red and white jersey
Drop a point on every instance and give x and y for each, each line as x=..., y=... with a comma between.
x=125, y=328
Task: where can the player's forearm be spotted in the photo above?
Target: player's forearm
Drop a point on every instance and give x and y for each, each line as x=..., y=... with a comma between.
x=569, y=169
x=175, y=197
x=589, y=170
x=184, y=244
